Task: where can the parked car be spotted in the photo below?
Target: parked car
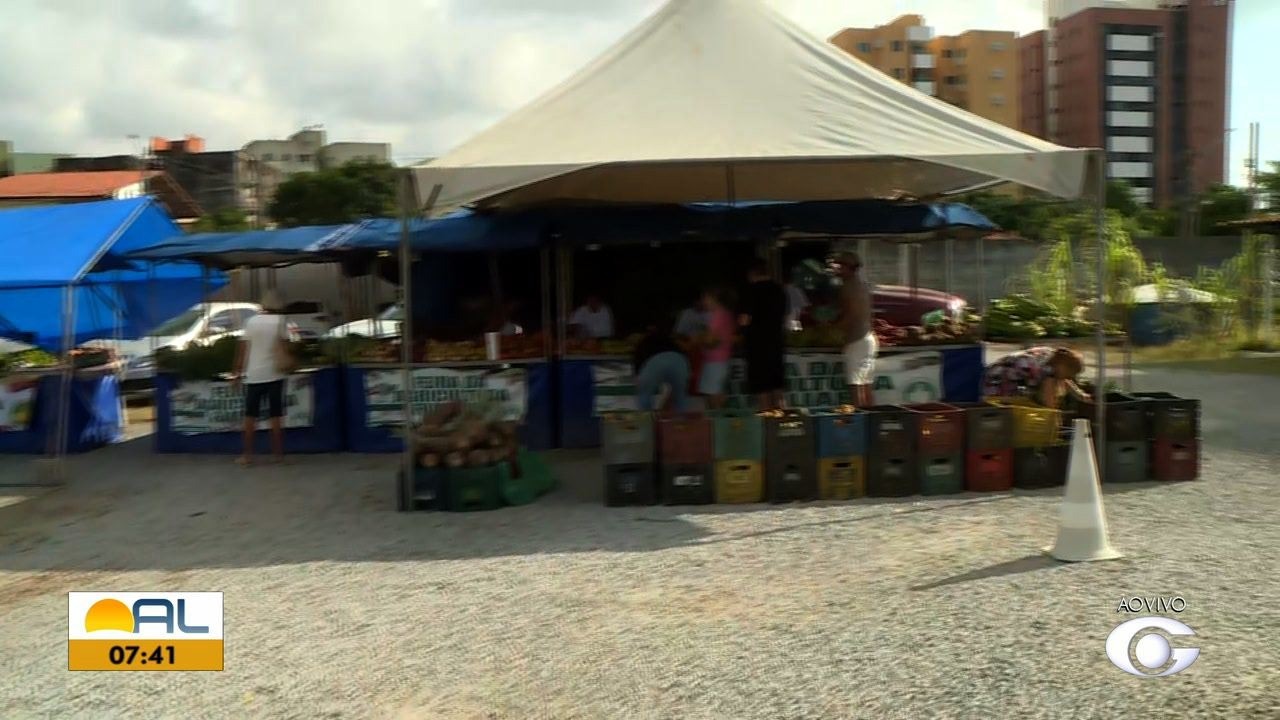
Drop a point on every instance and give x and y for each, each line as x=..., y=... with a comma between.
x=905, y=306
x=384, y=327
x=204, y=323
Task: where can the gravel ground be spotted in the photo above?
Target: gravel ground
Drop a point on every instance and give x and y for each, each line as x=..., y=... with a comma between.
x=338, y=607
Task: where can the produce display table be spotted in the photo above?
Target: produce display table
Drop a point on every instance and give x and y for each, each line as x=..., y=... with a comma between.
x=815, y=378
x=207, y=416
x=374, y=401
x=29, y=403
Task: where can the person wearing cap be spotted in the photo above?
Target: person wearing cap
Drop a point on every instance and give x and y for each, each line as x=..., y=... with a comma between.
x=860, y=346
x=259, y=365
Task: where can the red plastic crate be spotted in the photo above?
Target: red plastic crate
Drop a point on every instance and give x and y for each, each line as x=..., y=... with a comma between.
x=939, y=428
x=988, y=470
x=1175, y=459
x=686, y=439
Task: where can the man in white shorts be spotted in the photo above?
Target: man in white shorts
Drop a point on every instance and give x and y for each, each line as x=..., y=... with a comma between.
x=855, y=319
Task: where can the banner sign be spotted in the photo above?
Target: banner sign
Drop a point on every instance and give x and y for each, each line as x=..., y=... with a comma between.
x=17, y=404
x=502, y=389
x=197, y=408
x=813, y=380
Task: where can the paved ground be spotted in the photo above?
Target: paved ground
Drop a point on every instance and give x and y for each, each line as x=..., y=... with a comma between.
x=338, y=607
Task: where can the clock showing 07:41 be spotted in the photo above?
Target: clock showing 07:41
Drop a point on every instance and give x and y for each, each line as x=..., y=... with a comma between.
x=144, y=631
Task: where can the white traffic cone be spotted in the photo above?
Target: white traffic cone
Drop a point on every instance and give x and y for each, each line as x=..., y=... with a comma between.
x=1082, y=525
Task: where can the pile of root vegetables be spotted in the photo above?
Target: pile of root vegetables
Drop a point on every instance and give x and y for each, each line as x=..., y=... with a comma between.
x=455, y=435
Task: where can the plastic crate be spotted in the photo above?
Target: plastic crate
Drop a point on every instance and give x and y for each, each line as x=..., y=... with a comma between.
x=626, y=438
x=1033, y=425
x=739, y=435
x=890, y=432
x=688, y=484
x=739, y=481
x=428, y=488
x=534, y=467
x=1040, y=467
x=790, y=458
x=892, y=477
x=939, y=429
x=1126, y=417
x=988, y=426
x=685, y=439
x=478, y=488
x=988, y=470
x=842, y=478
x=1175, y=459
x=840, y=435
x=1126, y=462
x=791, y=481
x=941, y=474
x=1171, y=417
x=631, y=484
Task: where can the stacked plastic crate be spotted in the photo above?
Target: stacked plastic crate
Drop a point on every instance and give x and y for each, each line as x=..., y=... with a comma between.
x=790, y=452
x=627, y=447
x=739, y=455
x=989, y=450
x=891, y=452
x=842, y=450
x=1174, y=425
x=1126, y=437
x=686, y=451
x=1041, y=447
x=939, y=437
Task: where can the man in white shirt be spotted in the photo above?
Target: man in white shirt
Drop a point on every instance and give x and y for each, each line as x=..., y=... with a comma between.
x=593, y=320
x=258, y=366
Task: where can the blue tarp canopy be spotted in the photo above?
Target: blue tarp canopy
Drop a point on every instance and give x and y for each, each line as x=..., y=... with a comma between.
x=81, y=248
x=253, y=248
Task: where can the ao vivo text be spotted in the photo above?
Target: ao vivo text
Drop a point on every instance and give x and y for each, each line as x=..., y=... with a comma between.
x=1149, y=605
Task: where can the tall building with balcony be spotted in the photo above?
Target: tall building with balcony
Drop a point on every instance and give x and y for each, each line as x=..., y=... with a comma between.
x=1145, y=79
x=308, y=150
x=976, y=70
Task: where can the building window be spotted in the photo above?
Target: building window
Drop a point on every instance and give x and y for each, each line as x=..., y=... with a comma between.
x=304, y=158
x=1129, y=43
x=864, y=47
x=1129, y=68
x=997, y=100
x=1122, y=118
x=997, y=46
x=268, y=157
x=898, y=73
x=950, y=80
x=1129, y=144
x=1129, y=169
x=896, y=46
x=918, y=48
x=997, y=74
x=286, y=157
x=1129, y=93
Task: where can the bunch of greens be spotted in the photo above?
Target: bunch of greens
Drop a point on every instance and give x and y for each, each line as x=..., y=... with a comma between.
x=1019, y=317
x=199, y=362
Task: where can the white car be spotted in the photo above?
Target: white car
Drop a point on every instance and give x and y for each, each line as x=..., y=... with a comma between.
x=203, y=324
x=384, y=327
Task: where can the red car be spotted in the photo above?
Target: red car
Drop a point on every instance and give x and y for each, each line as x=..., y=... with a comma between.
x=904, y=306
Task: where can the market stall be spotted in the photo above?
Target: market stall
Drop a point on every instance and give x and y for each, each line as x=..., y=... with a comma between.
x=60, y=396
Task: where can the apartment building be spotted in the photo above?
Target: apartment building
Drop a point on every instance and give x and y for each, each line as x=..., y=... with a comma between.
x=308, y=150
x=1145, y=79
x=976, y=70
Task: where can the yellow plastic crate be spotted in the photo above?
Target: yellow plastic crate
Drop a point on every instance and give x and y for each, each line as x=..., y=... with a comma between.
x=842, y=478
x=739, y=481
x=1033, y=425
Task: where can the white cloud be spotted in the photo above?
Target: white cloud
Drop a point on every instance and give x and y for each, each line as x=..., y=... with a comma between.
x=420, y=74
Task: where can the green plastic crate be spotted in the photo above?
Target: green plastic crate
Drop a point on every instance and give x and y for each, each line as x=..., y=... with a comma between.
x=739, y=435
x=477, y=488
x=941, y=475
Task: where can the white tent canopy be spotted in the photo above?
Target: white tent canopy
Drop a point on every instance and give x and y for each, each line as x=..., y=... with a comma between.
x=712, y=100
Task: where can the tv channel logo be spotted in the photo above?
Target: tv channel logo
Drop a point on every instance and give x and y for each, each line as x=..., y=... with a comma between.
x=144, y=631
x=1155, y=656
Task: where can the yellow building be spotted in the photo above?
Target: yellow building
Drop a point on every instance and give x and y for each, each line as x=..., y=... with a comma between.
x=976, y=70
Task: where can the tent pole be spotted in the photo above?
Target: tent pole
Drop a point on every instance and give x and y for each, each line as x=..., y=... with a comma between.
x=407, y=197
x=982, y=278
x=1100, y=390
x=545, y=252
x=61, y=431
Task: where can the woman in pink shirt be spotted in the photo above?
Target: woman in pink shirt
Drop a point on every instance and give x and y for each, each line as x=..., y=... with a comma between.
x=719, y=349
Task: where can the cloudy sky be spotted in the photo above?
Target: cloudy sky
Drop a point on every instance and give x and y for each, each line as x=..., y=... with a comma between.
x=81, y=76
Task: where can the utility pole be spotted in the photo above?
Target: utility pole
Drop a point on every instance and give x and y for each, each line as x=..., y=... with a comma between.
x=1268, y=246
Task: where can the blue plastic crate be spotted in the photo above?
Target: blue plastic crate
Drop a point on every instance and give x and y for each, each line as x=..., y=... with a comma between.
x=841, y=434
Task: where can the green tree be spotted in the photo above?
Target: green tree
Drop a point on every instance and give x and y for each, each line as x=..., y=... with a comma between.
x=1269, y=184
x=227, y=220
x=1222, y=204
x=336, y=195
x=1120, y=198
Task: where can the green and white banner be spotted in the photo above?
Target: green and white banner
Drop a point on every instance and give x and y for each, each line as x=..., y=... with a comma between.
x=17, y=404
x=813, y=380
x=196, y=408
x=503, y=390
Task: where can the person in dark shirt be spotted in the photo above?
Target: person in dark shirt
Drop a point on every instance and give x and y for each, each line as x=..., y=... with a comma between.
x=658, y=362
x=764, y=311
